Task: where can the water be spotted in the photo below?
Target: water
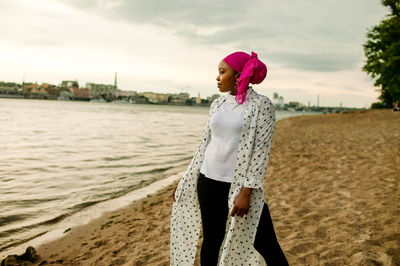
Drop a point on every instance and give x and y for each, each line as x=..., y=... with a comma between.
x=58, y=158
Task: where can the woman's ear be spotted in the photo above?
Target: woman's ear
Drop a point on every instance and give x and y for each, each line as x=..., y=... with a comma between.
x=237, y=76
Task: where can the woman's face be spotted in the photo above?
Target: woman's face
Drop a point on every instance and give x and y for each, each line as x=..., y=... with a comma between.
x=227, y=78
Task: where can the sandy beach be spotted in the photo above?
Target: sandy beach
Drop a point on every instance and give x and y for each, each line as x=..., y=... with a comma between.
x=332, y=187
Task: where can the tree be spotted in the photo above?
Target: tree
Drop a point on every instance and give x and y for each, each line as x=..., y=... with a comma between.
x=382, y=50
x=394, y=6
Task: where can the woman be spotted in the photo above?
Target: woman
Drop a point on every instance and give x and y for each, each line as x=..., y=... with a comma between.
x=223, y=187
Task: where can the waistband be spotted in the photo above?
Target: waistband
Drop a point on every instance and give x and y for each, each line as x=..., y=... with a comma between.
x=216, y=182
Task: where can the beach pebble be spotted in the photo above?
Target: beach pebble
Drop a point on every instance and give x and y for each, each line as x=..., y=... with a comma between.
x=30, y=257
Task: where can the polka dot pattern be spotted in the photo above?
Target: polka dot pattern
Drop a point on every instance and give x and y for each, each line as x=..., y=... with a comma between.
x=251, y=167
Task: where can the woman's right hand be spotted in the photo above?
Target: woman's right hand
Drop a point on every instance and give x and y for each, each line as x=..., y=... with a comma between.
x=173, y=193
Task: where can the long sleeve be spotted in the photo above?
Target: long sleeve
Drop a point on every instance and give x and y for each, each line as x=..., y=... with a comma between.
x=262, y=145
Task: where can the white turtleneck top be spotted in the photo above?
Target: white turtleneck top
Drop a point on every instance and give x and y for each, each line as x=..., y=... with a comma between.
x=226, y=125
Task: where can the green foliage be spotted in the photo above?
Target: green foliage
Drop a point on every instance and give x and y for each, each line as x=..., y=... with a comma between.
x=394, y=6
x=382, y=50
x=379, y=105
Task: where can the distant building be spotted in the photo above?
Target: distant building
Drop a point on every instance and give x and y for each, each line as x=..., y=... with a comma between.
x=153, y=97
x=10, y=88
x=64, y=96
x=67, y=84
x=35, y=91
x=198, y=99
x=52, y=91
x=126, y=94
x=277, y=100
x=80, y=94
x=69, y=90
x=181, y=98
x=9, y=85
x=28, y=86
x=280, y=101
x=294, y=104
x=102, y=91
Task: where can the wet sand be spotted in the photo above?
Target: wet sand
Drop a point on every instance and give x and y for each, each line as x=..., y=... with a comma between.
x=332, y=186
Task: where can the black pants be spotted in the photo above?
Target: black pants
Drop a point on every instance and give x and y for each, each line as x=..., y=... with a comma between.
x=213, y=200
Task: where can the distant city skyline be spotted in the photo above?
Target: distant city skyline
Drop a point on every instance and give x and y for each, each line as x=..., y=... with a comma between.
x=279, y=100
x=310, y=48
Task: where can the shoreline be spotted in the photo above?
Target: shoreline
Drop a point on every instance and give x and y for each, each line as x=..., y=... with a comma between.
x=92, y=213
x=332, y=187
x=322, y=109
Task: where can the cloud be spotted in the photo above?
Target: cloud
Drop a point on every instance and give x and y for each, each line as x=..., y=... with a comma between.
x=203, y=13
x=320, y=62
x=317, y=36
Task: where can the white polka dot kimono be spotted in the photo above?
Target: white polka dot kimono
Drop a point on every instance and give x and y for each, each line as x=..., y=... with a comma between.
x=251, y=167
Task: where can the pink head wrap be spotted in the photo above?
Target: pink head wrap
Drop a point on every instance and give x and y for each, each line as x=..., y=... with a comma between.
x=252, y=71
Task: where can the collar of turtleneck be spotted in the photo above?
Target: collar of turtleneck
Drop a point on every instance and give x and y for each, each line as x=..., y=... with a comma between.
x=230, y=98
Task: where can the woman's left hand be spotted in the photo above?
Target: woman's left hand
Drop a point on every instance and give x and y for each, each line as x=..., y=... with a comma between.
x=242, y=202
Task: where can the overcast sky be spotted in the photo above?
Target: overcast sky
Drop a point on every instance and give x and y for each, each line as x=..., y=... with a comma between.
x=310, y=47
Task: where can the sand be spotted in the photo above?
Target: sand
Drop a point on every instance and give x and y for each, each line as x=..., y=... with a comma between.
x=332, y=186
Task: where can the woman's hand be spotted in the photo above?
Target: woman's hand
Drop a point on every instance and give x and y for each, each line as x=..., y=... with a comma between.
x=173, y=193
x=242, y=202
